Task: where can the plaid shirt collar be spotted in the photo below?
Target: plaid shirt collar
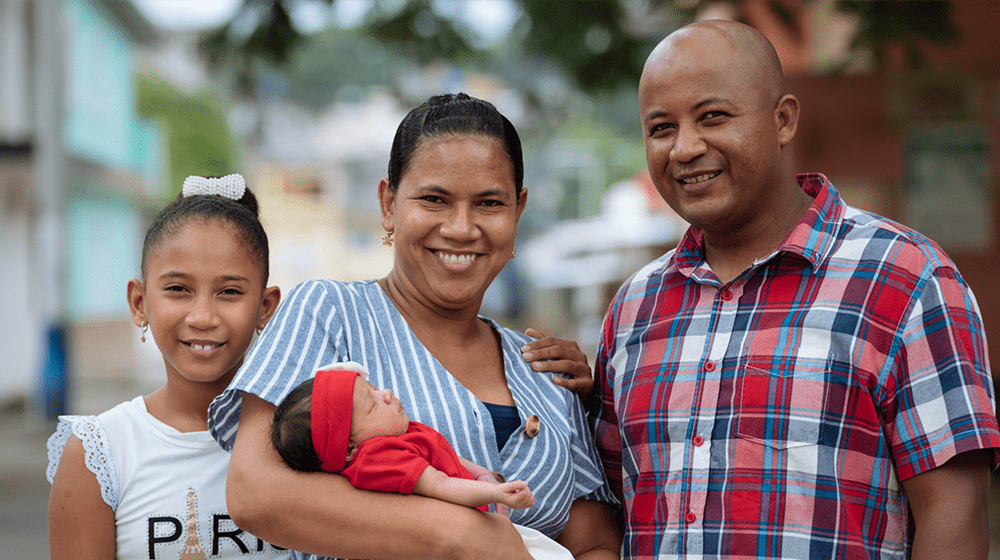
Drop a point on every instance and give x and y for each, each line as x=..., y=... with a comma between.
x=812, y=238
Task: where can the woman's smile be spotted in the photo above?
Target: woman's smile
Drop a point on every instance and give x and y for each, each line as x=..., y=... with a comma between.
x=455, y=258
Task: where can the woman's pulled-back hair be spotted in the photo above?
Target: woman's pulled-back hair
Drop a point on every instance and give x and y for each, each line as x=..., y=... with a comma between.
x=291, y=431
x=241, y=214
x=453, y=114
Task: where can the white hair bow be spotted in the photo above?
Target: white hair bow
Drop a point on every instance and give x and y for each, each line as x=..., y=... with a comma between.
x=231, y=186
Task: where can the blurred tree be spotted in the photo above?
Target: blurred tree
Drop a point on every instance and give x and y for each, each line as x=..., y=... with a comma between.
x=198, y=138
x=903, y=23
x=599, y=44
x=340, y=64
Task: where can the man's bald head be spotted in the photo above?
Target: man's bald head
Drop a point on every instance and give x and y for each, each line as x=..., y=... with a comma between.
x=751, y=53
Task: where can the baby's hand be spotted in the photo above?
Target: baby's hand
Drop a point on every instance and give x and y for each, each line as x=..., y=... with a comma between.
x=516, y=495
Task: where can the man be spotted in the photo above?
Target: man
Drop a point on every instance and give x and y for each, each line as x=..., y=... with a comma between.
x=797, y=376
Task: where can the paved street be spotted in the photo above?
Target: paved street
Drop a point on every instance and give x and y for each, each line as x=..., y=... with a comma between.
x=23, y=458
x=23, y=489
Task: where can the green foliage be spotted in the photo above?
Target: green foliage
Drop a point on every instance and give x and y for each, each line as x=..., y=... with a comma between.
x=197, y=134
x=588, y=39
x=902, y=22
x=421, y=33
x=338, y=62
x=593, y=42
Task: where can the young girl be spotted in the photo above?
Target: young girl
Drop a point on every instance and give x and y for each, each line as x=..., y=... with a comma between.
x=146, y=479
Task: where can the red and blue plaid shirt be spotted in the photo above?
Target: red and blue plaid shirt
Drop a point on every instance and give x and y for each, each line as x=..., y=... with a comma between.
x=774, y=416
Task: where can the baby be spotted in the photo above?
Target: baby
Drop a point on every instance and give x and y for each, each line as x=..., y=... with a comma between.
x=340, y=423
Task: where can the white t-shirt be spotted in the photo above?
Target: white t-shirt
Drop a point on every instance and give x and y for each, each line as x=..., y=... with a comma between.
x=167, y=488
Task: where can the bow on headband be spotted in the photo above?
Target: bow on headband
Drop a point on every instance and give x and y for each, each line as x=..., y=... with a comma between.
x=231, y=186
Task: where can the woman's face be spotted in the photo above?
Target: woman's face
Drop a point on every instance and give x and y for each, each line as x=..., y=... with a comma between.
x=454, y=218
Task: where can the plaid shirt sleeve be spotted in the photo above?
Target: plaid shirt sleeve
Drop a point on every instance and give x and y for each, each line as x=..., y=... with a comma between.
x=604, y=419
x=939, y=399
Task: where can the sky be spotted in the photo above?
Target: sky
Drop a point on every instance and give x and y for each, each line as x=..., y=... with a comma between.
x=187, y=14
x=492, y=19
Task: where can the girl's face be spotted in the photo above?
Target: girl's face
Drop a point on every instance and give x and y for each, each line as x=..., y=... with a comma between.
x=454, y=218
x=203, y=297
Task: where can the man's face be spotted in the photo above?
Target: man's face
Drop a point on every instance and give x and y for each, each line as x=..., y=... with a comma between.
x=711, y=134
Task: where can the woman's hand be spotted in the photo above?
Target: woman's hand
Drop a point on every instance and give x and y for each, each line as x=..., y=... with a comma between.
x=560, y=356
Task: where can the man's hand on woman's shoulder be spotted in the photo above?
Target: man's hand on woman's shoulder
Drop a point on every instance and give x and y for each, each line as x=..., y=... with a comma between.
x=559, y=356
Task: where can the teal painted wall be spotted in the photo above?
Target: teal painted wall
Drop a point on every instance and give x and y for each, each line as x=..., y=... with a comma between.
x=101, y=112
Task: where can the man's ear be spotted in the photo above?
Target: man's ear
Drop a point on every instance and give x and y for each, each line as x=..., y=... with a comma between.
x=786, y=118
x=386, y=202
x=268, y=305
x=136, y=294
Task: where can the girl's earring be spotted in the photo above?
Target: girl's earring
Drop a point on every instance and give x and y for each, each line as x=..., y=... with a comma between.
x=513, y=254
x=387, y=239
x=259, y=328
x=145, y=327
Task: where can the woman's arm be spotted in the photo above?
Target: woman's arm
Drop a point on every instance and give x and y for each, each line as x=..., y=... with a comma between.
x=473, y=493
x=81, y=524
x=296, y=510
x=592, y=532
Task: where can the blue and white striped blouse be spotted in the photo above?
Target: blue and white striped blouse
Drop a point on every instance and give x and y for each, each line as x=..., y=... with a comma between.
x=323, y=321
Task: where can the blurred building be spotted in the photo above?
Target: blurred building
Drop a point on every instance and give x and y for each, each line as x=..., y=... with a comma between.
x=576, y=266
x=316, y=173
x=77, y=168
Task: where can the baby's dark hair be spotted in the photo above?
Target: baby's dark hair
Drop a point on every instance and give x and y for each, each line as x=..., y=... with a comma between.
x=291, y=431
x=242, y=214
x=453, y=114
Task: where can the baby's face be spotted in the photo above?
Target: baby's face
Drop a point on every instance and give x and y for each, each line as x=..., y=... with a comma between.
x=376, y=413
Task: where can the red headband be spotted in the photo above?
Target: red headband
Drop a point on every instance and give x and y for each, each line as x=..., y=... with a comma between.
x=332, y=406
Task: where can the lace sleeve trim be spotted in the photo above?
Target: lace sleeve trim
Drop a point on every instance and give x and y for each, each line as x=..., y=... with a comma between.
x=96, y=453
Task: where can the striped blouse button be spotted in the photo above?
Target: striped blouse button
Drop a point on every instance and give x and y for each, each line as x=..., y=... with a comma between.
x=726, y=295
x=709, y=366
x=697, y=441
x=532, y=425
x=690, y=517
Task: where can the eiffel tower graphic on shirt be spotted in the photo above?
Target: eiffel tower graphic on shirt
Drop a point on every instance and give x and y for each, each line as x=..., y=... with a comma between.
x=192, y=550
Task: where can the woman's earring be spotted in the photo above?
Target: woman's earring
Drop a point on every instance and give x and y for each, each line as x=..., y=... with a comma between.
x=513, y=254
x=387, y=239
x=145, y=327
x=259, y=328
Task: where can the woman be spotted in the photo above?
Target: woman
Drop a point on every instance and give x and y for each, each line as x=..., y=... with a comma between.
x=452, y=202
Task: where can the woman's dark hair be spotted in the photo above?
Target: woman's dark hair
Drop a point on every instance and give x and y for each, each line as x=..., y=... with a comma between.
x=453, y=114
x=291, y=431
x=242, y=214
